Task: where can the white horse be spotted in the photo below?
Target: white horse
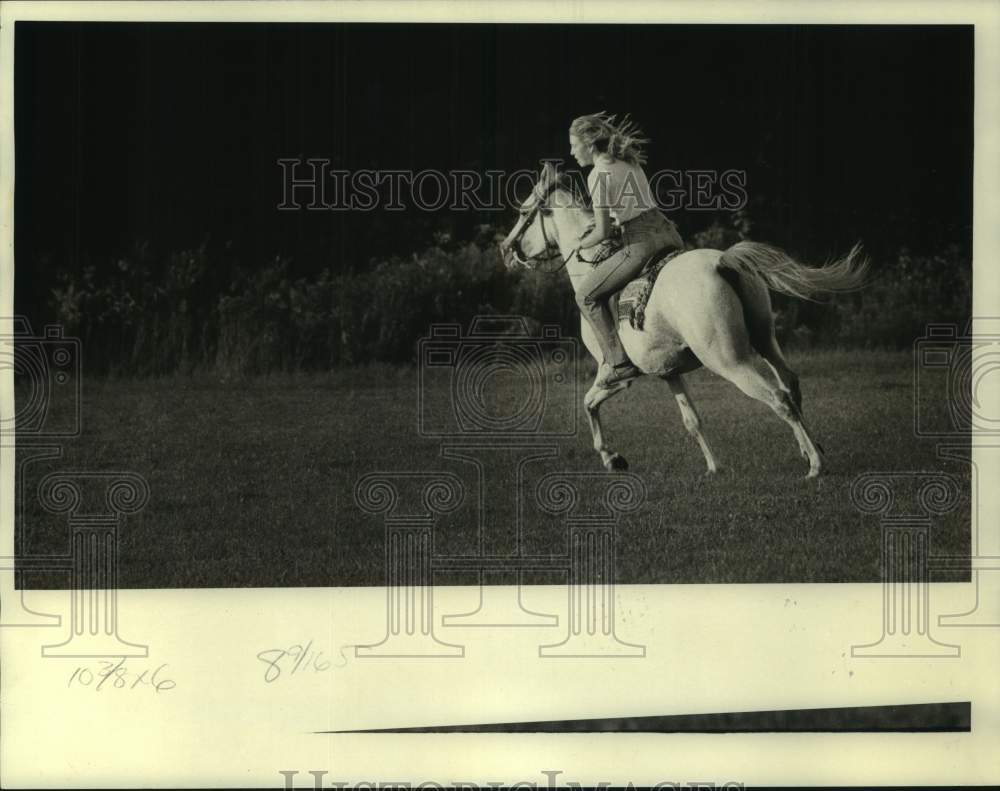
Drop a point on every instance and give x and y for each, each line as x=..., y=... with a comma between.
x=707, y=307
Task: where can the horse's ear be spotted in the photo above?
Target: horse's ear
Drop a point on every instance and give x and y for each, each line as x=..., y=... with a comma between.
x=548, y=174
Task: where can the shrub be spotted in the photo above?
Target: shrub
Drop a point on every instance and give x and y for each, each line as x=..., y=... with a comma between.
x=908, y=292
x=143, y=314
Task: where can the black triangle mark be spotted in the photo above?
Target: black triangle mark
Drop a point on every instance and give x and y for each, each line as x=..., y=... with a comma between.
x=926, y=717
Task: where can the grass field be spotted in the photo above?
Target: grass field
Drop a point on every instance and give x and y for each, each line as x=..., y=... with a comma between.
x=252, y=481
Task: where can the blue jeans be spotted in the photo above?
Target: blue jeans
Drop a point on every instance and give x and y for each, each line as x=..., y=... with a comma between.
x=642, y=236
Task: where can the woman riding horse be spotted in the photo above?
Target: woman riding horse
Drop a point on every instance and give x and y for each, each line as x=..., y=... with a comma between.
x=707, y=308
x=620, y=194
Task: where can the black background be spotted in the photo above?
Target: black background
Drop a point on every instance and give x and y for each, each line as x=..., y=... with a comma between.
x=169, y=134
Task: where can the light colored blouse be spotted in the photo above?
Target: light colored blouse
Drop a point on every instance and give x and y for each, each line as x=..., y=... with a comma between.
x=621, y=187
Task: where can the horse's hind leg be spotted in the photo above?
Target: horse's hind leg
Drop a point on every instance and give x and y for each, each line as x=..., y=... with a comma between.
x=788, y=378
x=692, y=422
x=760, y=325
x=771, y=353
x=746, y=377
x=592, y=403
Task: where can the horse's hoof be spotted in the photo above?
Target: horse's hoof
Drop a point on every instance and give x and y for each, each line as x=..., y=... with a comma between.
x=812, y=474
x=713, y=472
x=616, y=462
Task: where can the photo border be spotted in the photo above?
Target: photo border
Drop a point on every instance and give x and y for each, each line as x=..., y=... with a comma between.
x=757, y=646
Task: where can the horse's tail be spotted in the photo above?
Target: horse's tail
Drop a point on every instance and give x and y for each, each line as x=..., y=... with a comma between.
x=785, y=275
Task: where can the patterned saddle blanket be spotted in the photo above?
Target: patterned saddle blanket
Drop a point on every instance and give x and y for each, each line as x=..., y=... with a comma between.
x=633, y=298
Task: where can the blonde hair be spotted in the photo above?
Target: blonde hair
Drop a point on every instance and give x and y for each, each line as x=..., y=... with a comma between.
x=605, y=134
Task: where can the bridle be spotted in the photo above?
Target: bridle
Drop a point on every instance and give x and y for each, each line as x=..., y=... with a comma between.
x=537, y=211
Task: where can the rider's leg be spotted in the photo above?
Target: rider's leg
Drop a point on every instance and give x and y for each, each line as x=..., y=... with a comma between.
x=592, y=294
x=642, y=237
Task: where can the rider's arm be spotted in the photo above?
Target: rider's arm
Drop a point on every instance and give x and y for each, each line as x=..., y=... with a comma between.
x=601, y=229
x=602, y=212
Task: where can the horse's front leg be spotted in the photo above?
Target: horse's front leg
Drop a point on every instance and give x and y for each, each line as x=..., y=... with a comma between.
x=692, y=421
x=592, y=403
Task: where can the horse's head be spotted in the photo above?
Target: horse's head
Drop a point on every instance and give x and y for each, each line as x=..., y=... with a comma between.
x=534, y=239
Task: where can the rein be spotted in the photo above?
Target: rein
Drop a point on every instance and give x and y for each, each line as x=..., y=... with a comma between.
x=536, y=211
